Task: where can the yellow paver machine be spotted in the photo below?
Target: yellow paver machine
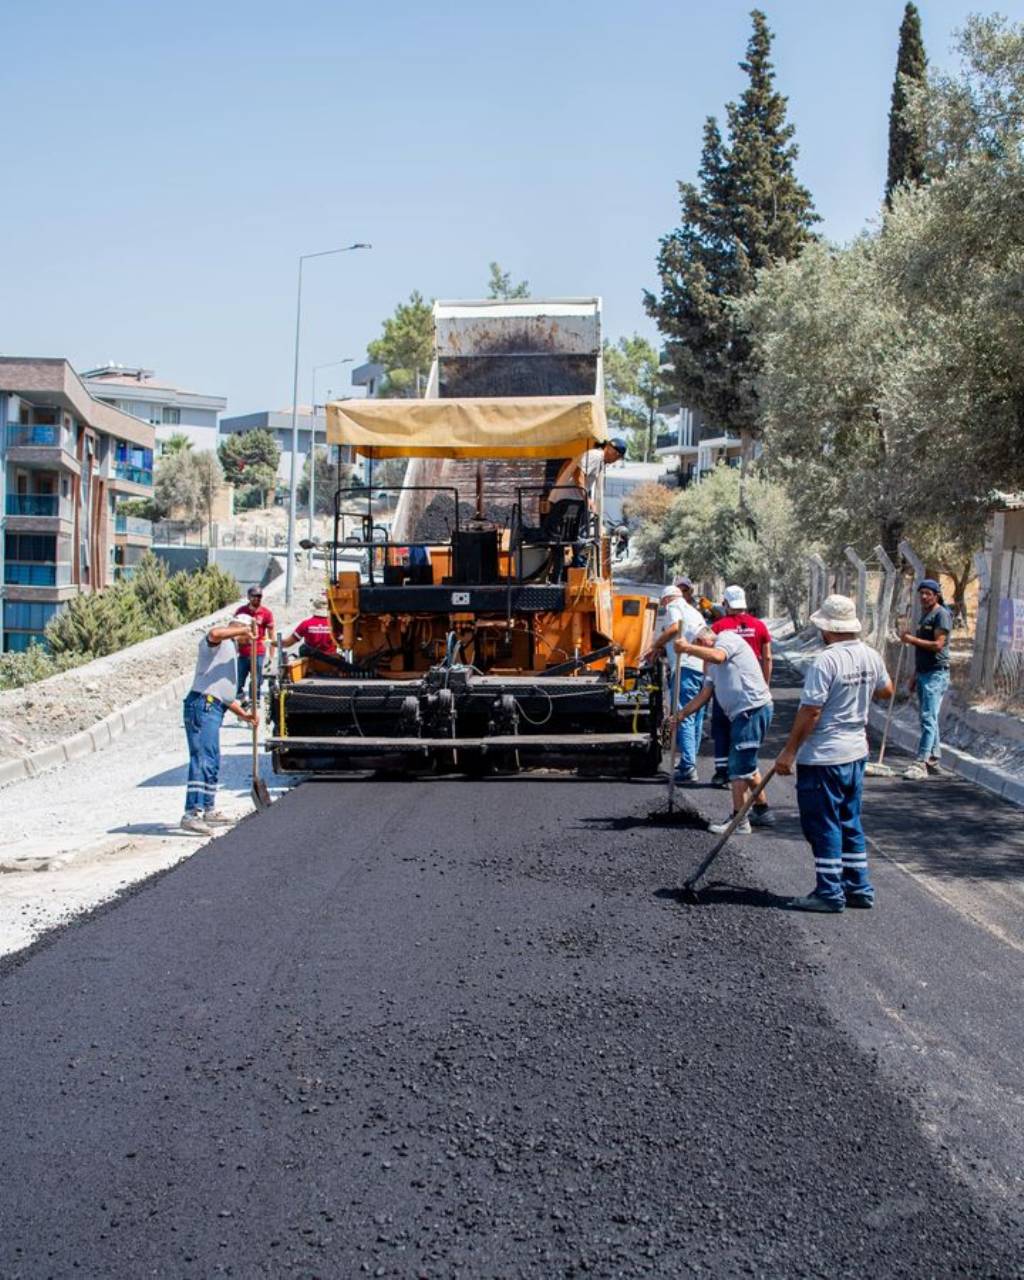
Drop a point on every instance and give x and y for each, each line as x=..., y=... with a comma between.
x=481, y=636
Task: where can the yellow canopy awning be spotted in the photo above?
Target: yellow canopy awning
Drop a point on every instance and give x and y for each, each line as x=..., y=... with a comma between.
x=532, y=427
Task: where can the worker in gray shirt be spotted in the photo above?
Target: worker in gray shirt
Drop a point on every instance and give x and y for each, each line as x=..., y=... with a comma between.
x=829, y=745
x=212, y=693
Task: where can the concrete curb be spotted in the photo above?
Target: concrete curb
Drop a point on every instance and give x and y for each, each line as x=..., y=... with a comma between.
x=903, y=733
x=121, y=719
x=97, y=736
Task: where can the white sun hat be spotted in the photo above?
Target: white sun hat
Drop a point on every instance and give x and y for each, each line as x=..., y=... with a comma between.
x=837, y=613
x=734, y=598
x=670, y=593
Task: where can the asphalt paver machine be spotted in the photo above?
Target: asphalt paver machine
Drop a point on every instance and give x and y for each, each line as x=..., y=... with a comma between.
x=480, y=637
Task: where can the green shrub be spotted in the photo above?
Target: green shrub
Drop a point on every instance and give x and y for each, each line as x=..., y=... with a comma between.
x=152, y=588
x=98, y=624
x=35, y=663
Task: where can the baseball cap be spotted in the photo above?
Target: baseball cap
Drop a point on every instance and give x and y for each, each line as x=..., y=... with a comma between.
x=930, y=584
x=734, y=598
x=320, y=603
x=684, y=581
x=670, y=593
x=619, y=445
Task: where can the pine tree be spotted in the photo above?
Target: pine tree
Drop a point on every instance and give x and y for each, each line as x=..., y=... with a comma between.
x=746, y=211
x=906, y=143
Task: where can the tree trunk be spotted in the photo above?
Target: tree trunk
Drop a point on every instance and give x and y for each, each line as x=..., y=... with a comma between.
x=891, y=537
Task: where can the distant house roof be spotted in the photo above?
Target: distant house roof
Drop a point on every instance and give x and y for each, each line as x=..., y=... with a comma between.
x=142, y=381
x=52, y=381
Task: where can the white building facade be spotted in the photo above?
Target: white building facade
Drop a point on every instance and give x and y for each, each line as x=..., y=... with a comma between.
x=169, y=409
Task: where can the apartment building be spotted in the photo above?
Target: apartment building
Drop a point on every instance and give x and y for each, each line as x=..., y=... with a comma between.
x=65, y=460
x=694, y=446
x=171, y=410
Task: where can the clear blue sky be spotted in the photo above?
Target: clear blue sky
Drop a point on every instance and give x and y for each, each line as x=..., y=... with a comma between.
x=166, y=163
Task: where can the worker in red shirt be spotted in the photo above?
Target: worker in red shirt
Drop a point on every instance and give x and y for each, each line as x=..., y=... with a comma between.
x=757, y=635
x=315, y=631
x=264, y=645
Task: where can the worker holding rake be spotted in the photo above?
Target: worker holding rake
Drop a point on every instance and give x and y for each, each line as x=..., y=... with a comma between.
x=829, y=746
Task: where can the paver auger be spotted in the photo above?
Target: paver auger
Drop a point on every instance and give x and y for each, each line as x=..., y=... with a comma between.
x=473, y=642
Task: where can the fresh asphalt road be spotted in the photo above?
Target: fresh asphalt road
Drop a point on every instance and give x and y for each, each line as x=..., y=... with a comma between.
x=464, y=1028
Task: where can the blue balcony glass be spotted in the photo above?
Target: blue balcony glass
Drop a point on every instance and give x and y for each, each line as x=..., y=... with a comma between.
x=124, y=471
x=32, y=435
x=24, y=573
x=133, y=525
x=33, y=504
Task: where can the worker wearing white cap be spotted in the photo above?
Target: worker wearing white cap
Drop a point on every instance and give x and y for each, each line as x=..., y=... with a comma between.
x=829, y=746
x=682, y=621
x=757, y=635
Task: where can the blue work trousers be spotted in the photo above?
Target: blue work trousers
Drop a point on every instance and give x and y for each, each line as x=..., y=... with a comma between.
x=829, y=797
x=721, y=737
x=244, y=672
x=202, y=717
x=931, y=688
x=688, y=731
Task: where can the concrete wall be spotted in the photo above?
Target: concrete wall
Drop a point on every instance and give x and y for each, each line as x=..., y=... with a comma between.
x=251, y=566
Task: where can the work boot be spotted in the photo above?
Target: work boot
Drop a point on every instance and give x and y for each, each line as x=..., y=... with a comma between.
x=813, y=903
x=685, y=777
x=215, y=818
x=719, y=828
x=194, y=822
x=762, y=816
x=917, y=772
x=720, y=778
x=860, y=901
x=933, y=765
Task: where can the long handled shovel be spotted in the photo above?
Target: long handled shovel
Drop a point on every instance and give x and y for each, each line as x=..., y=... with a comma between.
x=675, y=737
x=876, y=768
x=259, y=792
x=689, y=890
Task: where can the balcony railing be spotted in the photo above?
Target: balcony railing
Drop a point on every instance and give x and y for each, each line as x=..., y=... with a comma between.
x=133, y=525
x=33, y=435
x=24, y=573
x=666, y=439
x=124, y=471
x=35, y=504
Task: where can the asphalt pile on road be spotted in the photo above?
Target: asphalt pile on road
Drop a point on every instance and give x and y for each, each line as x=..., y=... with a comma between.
x=450, y=1028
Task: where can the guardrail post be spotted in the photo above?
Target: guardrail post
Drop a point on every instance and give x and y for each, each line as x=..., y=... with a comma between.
x=819, y=581
x=862, y=581
x=917, y=566
x=883, y=609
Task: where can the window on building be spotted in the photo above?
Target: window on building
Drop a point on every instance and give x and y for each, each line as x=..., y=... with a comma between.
x=20, y=615
x=36, y=548
x=170, y=416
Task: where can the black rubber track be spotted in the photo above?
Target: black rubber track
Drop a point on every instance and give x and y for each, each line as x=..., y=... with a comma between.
x=450, y=1028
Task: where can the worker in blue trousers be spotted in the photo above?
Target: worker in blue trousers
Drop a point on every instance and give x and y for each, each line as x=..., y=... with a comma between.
x=828, y=744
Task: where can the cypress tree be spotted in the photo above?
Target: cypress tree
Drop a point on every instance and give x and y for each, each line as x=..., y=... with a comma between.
x=906, y=143
x=746, y=212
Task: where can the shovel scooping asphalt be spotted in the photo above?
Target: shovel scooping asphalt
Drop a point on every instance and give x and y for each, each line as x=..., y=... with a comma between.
x=689, y=893
x=259, y=792
x=673, y=740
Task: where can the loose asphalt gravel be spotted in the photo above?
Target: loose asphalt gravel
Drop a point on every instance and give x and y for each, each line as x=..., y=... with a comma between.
x=452, y=1028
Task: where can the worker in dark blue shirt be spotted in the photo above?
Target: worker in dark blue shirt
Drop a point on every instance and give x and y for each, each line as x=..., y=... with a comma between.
x=931, y=674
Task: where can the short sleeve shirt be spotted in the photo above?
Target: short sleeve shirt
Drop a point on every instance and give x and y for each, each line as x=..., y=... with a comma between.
x=689, y=621
x=216, y=673
x=841, y=681
x=739, y=683
x=317, y=633
x=591, y=463
x=938, y=619
x=752, y=629
x=265, y=619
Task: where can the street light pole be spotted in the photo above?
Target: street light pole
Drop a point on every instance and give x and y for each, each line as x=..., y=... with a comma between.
x=312, y=440
x=290, y=566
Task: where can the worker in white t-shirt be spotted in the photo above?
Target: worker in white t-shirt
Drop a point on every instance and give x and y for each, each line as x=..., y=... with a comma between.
x=575, y=487
x=682, y=620
x=829, y=745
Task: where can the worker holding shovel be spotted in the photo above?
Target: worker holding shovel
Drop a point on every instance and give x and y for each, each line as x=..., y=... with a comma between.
x=829, y=745
x=212, y=693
